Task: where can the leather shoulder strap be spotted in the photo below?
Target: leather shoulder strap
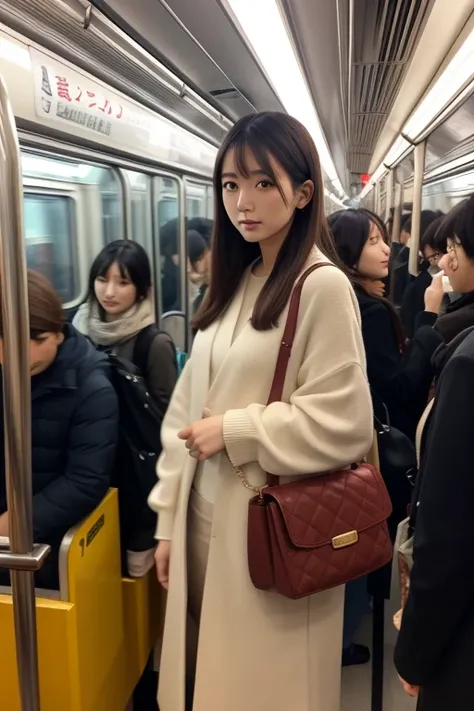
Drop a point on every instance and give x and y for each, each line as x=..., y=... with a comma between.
x=286, y=345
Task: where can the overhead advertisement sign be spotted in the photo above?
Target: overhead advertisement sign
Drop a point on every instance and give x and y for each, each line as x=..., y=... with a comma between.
x=65, y=96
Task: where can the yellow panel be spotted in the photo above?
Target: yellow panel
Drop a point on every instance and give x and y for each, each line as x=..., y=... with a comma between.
x=95, y=586
x=58, y=666
x=144, y=612
x=92, y=649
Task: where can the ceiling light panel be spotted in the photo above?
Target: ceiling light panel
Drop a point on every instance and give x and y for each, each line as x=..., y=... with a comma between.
x=453, y=84
x=262, y=23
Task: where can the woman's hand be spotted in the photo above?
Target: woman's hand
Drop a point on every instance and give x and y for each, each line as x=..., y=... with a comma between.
x=162, y=563
x=204, y=438
x=409, y=689
x=374, y=287
x=434, y=295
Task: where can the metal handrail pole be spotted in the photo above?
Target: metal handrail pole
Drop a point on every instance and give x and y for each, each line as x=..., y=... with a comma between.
x=17, y=399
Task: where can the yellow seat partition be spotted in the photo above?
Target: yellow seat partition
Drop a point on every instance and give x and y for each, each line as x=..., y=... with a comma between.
x=144, y=607
x=93, y=644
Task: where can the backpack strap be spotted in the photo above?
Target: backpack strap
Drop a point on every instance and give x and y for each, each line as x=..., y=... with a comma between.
x=142, y=347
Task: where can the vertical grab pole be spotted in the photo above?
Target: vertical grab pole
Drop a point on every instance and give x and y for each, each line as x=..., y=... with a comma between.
x=17, y=400
x=419, y=155
x=398, y=207
x=388, y=195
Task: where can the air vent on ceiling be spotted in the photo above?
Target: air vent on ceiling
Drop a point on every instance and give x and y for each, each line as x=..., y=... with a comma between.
x=385, y=35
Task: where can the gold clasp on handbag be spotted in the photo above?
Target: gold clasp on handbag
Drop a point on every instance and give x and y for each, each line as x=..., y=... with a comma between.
x=345, y=540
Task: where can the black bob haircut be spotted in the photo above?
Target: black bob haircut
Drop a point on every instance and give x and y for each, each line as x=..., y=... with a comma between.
x=133, y=263
x=202, y=225
x=458, y=226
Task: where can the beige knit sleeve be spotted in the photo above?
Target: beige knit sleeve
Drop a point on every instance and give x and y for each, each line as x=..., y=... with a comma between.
x=327, y=423
x=164, y=496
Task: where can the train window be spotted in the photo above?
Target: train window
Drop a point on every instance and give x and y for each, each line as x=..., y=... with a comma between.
x=97, y=189
x=141, y=212
x=448, y=192
x=168, y=210
x=50, y=237
x=111, y=205
x=210, y=202
x=167, y=237
x=196, y=200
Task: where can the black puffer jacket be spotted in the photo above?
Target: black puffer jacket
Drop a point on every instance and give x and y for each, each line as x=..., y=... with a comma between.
x=74, y=435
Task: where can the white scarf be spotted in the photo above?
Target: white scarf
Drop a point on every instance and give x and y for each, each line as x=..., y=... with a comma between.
x=112, y=333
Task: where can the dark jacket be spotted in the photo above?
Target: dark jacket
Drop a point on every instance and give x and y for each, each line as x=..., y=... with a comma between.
x=413, y=301
x=459, y=315
x=161, y=371
x=170, y=286
x=435, y=647
x=198, y=301
x=400, y=277
x=74, y=435
x=402, y=382
x=200, y=297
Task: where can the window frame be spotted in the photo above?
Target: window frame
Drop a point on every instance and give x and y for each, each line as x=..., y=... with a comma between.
x=48, y=192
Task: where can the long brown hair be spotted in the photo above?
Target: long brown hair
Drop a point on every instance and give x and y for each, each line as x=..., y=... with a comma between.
x=268, y=135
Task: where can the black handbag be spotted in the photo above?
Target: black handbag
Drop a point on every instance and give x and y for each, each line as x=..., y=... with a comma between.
x=398, y=464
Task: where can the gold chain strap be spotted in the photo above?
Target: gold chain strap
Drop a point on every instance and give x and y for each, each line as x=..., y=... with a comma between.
x=256, y=489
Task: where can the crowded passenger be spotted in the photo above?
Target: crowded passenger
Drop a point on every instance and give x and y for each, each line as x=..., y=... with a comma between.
x=204, y=227
x=399, y=377
x=269, y=214
x=399, y=275
x=74, y=425
x=434, y=654
x=119, y=316
x=431, y=250
x=399, y=383
x=198, y=265
x=170, y=276
x=457, y=232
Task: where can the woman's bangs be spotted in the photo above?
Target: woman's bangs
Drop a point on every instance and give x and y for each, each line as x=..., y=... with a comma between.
x=242, y=147
x=124, y=272
x=106, y=262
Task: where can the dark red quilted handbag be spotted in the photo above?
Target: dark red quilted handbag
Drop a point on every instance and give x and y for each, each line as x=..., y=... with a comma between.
x=318, y=532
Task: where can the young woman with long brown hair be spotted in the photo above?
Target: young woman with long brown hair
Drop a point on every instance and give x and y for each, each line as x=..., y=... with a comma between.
x=257, y=650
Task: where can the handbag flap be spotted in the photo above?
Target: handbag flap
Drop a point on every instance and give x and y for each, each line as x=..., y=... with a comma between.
x=317, y=510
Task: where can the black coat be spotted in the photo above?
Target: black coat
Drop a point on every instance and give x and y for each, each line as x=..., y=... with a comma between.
x=400, y=277
x=435, y=647
x=459, y=315
x=413, y=302
x=74, y=435
x=401, y=382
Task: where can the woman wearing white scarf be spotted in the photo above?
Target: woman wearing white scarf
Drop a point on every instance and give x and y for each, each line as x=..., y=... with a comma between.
x=119, y=307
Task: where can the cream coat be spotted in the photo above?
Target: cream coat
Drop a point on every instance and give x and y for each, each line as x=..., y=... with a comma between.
x=257, y=650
